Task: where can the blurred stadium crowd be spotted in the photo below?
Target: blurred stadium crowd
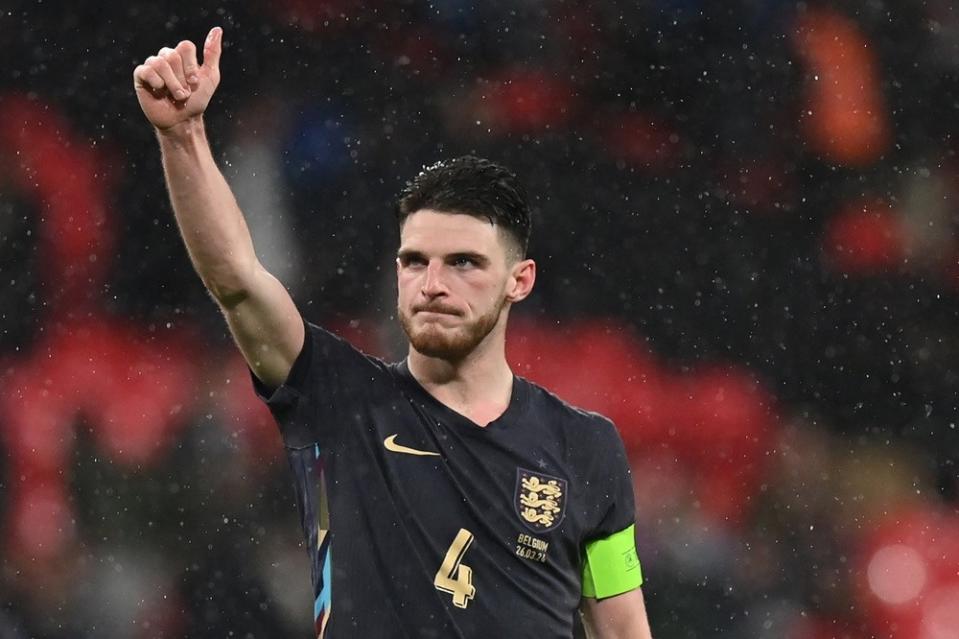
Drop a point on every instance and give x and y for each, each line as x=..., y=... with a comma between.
x=747, y=230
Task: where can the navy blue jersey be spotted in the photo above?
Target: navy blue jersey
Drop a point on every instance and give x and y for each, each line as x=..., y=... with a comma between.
x=421, y=523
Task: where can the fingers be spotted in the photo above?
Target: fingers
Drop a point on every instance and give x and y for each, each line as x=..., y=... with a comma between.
x=145, y=76
x=212, y=49
x=161, y=64
x=187, y=52
x=176, y=65
x=177, y=70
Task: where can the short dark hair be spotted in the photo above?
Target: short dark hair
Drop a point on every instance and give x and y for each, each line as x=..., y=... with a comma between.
x=471, y=186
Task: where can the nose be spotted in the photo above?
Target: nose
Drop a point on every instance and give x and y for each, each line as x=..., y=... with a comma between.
x=433, y=285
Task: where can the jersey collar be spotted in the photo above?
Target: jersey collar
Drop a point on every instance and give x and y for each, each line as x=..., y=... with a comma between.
x=514, y=411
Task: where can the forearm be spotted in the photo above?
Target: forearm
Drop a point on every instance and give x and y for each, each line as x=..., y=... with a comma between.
x=210, y=221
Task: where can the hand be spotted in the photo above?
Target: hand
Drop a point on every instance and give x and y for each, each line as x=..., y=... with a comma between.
x=172, y=88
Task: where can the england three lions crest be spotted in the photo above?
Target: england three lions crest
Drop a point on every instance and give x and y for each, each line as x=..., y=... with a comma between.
x=540, y=500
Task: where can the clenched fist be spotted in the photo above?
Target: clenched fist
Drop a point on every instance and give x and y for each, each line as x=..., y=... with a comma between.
x=172, y=87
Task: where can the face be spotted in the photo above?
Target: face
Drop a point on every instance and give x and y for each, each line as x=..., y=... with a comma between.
x=456, y=278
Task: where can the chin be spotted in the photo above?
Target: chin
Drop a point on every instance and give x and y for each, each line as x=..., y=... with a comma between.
x=441, y=344
x=448, y=342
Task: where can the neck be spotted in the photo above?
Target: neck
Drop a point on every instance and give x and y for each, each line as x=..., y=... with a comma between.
x=478, y=386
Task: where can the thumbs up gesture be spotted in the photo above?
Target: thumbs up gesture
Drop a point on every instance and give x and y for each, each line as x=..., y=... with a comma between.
x=172, y=87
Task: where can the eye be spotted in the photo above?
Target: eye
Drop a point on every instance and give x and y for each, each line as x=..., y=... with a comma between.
x=463, y=261
x=412, y=261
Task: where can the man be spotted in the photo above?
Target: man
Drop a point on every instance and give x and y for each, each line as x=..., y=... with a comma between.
x=442, y=496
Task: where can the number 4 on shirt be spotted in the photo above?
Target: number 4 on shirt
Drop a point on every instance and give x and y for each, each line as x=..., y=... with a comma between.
x=454, y=577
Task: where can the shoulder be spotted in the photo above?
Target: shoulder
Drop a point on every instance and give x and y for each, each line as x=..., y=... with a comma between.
x=330, y=365
x=323, y=344
x=592, y=450
x=560, y=414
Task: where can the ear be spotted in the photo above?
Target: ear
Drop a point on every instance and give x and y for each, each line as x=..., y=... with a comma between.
x=522, y=278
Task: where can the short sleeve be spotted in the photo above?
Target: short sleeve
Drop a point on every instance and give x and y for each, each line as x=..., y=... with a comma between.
x=615, y=485
x=610, y=561
x=327, y=379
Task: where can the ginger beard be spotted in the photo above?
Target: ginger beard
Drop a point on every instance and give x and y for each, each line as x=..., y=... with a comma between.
x=432, y=339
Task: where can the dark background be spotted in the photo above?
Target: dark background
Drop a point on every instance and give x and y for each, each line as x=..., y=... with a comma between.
x=745, y=223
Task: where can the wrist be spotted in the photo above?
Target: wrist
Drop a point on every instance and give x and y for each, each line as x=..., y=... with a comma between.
x=182, y=132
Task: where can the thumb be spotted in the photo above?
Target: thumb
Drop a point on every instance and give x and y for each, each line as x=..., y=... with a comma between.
x=212, y=49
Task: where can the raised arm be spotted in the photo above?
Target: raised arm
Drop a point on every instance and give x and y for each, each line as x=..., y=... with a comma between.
x=174, y=91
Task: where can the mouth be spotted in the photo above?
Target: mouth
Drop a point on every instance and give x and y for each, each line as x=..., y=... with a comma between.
x=435, y=310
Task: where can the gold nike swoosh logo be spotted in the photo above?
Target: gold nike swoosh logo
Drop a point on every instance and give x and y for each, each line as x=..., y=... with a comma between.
x=390, y=444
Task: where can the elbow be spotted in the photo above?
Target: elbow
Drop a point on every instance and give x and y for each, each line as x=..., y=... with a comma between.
x=230, y=287
x=228, y=298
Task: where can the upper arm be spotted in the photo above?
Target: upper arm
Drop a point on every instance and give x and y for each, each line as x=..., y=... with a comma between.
x=620, y=617
x=612, y=604
x=266, y=326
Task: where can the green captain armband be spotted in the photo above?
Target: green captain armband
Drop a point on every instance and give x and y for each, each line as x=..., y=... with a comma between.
x=611, y=565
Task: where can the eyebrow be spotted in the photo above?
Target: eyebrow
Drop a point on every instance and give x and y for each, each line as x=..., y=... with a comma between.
x=408, y=254
x=479, y=258
x=405, y=254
